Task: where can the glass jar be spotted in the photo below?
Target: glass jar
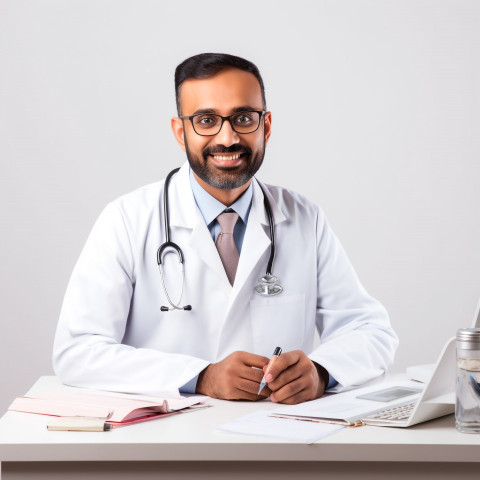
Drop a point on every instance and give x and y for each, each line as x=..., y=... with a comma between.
x=467, y=404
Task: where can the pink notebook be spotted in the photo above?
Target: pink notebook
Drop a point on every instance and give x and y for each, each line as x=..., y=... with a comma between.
x=118, y=408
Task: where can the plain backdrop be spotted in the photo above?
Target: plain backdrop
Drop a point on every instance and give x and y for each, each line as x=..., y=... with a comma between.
x=376, y=118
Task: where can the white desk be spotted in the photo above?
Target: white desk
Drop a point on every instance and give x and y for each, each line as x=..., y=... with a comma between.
x=186, y=446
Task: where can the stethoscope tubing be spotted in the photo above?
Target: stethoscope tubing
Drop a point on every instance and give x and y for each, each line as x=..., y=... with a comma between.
x=166, y=214
x=169, y=244
x=268, y=209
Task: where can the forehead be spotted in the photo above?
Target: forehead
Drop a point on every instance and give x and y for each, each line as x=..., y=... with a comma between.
x=222, y=92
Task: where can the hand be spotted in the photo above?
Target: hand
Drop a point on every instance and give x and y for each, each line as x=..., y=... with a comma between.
x=294, y=378
x=234, y=378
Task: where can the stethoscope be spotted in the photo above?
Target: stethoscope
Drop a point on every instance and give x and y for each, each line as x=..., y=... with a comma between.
x=268, y=285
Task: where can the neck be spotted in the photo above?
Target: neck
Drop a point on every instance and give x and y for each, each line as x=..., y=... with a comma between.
x=227, y=197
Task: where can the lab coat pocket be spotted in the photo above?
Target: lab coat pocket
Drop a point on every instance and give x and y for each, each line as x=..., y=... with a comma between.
x=278, y=322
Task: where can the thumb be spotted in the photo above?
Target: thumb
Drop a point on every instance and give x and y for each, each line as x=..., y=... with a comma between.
x=274, y=368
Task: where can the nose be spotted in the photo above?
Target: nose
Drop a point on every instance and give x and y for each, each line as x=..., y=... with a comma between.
x=227, y=135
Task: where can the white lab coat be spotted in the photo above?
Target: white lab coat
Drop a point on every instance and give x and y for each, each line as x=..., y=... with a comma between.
x=112, y=335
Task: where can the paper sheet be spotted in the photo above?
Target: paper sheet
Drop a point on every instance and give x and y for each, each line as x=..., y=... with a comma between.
x=260, y=424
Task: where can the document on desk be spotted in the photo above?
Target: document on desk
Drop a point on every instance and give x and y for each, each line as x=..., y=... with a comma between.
x=348, y=408
x=262, y=425
x=117, y=409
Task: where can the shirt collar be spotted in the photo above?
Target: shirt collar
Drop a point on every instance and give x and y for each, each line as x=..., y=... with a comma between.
x=210, y=207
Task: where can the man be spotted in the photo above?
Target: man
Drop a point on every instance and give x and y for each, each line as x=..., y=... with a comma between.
x=115, y=332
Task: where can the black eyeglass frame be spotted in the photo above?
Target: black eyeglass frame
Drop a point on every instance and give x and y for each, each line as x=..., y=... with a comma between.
x=229, y=118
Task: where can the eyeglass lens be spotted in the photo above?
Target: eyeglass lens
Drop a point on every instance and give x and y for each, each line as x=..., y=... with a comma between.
x=210, y=124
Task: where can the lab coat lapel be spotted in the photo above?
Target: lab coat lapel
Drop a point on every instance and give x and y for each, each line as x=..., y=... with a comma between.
x=252, y=264
x=202, y=244
x=256, y=240
x=183, y=208
x=185, y=213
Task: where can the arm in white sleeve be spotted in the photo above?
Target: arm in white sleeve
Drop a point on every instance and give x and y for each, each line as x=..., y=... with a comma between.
x=88, y=350
x=357, y=342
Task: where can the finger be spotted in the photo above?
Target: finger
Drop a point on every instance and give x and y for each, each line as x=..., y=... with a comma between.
x=248, y=390
x=241, y=395
x=299, y=397
x=282, y=363
x=251, y=387
x=293, y=392
x=289, y=375
x=265, y=391
x=253, y=360
x=249, y=373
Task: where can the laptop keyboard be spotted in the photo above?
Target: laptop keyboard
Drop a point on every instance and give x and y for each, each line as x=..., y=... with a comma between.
x=394, y=414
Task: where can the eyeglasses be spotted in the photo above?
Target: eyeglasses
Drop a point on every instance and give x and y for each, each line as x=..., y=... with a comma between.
x=209, y=124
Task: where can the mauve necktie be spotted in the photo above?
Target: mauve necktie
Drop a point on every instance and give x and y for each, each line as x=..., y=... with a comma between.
x=226, y=245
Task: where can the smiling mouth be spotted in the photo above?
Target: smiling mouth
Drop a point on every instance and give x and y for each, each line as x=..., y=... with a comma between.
x=227, y=157
x=224, y=160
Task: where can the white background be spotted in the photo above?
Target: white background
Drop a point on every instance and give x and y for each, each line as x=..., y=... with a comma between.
x=375, y=117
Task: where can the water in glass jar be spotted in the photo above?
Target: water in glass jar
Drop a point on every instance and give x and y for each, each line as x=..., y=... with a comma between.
x=467, y=407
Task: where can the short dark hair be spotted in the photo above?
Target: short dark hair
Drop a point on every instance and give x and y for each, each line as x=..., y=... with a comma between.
x=206, y=65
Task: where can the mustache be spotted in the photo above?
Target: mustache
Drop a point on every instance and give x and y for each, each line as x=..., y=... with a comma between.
x=222, y=149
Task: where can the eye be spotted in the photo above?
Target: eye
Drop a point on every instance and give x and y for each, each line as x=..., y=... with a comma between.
x=205, y=121
x=243, y=118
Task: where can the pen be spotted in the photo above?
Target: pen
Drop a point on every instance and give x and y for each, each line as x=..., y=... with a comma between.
x=276, y=354
x=79, y=424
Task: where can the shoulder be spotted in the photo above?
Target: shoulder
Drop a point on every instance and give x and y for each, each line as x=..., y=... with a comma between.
x=133, y=211
x=293, y=204
x=141, y=200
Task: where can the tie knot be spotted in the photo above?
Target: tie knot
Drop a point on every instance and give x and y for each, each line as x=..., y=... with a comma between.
x=227, y=221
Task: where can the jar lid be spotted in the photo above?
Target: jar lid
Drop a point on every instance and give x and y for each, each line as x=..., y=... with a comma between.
x=468, y=338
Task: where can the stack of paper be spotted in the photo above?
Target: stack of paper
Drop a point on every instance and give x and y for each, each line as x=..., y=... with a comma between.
x=117, y=408
x=263, y=425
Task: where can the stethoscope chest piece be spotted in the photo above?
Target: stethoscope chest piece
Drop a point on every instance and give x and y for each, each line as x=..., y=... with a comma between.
x=268, y=286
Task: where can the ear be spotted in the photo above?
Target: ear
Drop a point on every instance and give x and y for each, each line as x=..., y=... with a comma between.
x=267, y=126
x=178, y=131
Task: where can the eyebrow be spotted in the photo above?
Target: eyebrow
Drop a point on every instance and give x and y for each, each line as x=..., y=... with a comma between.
x=243, y=108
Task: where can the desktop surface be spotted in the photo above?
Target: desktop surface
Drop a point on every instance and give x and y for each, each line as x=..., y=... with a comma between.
x=191, y=437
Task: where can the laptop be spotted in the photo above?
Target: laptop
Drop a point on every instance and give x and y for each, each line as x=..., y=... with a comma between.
x=392, y=403
x=436, y=400
x=438, y=397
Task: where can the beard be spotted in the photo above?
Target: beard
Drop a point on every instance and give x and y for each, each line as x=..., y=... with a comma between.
x=226, y=178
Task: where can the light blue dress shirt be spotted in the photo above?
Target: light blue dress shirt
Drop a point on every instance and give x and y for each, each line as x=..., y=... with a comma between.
x=210, y=208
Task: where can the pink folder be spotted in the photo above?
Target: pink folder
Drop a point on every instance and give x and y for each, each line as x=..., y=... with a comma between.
x=117, y=408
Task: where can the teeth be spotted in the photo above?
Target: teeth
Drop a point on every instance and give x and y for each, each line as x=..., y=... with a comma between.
x=231, y=157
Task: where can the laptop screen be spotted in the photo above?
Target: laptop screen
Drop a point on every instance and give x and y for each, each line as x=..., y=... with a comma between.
x=476, y=317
